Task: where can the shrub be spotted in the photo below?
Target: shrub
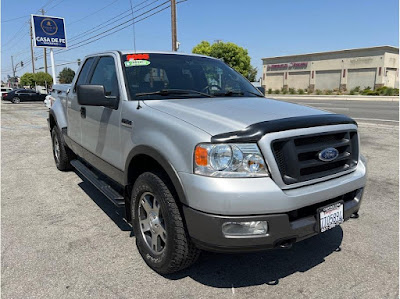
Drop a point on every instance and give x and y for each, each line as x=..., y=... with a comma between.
x=269, y=90
x=396, y=91
x=284, y=91
x=300, y=91
x=328, y=91
x=389, y=91
x=355, y=90
x=292, y=90
x=277, y=91
x=318, y=91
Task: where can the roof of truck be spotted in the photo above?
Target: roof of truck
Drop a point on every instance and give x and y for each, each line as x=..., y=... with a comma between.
x=124, y=52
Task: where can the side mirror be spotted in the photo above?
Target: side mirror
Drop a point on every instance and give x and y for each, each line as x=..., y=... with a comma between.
x=262, y=89
x=94, y=95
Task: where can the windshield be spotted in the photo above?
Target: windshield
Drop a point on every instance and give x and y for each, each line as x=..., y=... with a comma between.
x=163, y=76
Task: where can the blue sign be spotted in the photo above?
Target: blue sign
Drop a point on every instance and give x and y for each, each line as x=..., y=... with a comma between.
x=49, y=32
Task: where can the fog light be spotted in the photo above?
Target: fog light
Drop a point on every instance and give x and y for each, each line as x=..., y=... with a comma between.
x=245, y=228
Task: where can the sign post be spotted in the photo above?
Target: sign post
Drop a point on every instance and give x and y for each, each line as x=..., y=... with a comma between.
x=49, y=32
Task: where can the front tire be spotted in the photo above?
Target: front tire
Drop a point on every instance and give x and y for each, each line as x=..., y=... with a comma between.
x=160, y=233
x=61, y=153
x=16, y=100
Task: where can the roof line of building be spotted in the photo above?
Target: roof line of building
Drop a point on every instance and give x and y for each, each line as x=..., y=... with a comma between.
x=334, y=52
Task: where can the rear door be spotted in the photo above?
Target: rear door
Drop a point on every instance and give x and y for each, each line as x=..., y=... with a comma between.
x=23, y=95
x=101, y=126
x=73, y=107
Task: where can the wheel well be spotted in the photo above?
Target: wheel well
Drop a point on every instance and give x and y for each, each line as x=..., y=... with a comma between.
x=52, y=122
x=143, y=163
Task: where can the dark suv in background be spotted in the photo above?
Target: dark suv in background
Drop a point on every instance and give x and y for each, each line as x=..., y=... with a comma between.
x=20, y=95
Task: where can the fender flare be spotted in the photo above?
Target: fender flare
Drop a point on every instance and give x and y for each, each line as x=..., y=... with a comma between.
x=165, y=164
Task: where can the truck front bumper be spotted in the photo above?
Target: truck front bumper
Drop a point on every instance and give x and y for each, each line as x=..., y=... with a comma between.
x=284, y=229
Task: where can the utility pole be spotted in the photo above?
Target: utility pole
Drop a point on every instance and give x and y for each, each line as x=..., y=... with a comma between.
x=33, y=58
x=12, y=64
x=173, y=26
x=44, y=49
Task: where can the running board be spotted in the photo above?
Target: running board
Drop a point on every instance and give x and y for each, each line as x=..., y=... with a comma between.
x=102, y=186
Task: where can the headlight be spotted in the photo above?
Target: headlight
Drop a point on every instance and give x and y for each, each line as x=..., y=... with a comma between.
x=229, y=160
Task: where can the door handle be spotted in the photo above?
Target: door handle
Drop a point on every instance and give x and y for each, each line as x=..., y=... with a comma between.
x=83, y=112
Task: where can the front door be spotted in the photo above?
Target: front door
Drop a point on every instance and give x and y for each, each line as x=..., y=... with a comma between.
x=101, y=125
x=73, y=107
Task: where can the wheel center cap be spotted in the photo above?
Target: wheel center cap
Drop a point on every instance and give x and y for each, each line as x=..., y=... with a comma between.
x=154, y=222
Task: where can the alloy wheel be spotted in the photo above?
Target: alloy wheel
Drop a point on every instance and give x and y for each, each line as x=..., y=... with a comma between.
x=151, y=222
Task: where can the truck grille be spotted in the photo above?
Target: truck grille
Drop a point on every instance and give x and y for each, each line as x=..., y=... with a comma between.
x=297, y=157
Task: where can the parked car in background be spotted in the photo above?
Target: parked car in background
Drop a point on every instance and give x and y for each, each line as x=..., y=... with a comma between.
x=21, y=95
x=5, y=90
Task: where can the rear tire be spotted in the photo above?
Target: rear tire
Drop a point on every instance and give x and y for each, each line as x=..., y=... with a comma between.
x=61, y=153
x=16, y=100
x=155, y=213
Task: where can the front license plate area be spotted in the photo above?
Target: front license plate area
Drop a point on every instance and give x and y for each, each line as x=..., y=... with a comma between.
x=330, y=216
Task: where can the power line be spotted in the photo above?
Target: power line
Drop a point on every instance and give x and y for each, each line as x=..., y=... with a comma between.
x=106, y=23
x=77, y=45
x=50, y=8
x=92, y=41
x=14, y=19
x=89, y=15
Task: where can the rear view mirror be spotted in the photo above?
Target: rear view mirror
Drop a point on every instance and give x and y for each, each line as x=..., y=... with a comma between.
x=94, y=95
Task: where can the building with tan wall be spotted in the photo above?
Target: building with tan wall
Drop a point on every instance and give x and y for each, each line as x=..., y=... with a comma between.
x=343, y=70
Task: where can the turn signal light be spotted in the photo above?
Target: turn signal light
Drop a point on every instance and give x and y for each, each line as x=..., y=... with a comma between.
x=200, y=156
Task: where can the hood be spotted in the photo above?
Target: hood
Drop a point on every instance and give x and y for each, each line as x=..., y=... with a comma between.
x=220, y=115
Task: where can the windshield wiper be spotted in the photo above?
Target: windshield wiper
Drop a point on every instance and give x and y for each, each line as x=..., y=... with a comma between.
x=229, y=94
x=236, y=93
x=167, y=92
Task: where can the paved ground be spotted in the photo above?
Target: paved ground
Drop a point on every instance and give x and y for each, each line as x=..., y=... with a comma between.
x=62, y=239
x=366, y=111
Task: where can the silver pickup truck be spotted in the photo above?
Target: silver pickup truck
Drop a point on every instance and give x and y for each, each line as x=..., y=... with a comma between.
x=200, y=159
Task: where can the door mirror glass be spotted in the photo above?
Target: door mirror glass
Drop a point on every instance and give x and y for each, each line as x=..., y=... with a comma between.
x=95, y=95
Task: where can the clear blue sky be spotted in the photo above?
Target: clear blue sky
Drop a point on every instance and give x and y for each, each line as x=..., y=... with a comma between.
x=264, y=27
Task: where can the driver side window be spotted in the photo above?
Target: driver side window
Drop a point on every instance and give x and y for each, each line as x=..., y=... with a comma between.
x=105, y=74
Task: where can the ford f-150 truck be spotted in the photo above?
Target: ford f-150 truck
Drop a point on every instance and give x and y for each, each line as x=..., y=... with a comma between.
x=200, y=159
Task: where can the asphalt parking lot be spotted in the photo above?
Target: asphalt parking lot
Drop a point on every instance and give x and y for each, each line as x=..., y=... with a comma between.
x=60, y=237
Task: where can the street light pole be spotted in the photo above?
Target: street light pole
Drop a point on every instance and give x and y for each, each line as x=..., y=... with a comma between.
x=44, y=49
x=33, y=58
x=12, y=64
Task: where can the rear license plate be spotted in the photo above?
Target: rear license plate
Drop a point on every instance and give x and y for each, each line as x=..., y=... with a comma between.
x=330, y=216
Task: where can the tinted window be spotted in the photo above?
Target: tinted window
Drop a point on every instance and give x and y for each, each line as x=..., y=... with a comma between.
x=85, y=71
x=105, y=74
x=147, y=73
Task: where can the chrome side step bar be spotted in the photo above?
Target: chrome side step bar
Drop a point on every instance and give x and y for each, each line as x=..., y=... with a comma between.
x=116, y=198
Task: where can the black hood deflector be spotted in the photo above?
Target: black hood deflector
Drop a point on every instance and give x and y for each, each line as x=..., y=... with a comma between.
x=255, y=132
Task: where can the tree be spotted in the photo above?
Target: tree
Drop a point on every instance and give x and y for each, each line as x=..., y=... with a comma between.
x=28, y=79
x=204, y=48
x=235, y=56
x=42, y=79
x=66, y=75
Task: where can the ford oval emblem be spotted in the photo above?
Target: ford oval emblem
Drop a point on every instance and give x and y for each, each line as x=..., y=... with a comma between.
x=328, y=154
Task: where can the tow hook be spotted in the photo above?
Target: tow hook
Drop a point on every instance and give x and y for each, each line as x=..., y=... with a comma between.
x=286, y=244
x=354, y=215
